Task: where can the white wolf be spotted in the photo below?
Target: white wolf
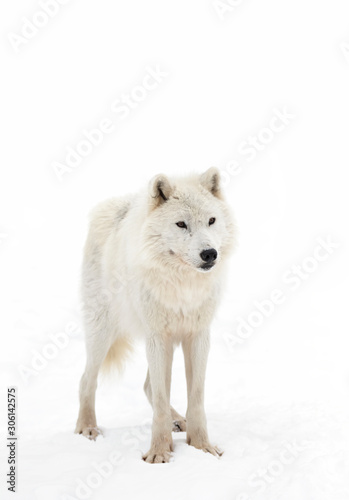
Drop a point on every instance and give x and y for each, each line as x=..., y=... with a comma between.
x=153, y=267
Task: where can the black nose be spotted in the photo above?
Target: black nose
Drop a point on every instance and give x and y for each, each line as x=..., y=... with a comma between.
x=209, y=255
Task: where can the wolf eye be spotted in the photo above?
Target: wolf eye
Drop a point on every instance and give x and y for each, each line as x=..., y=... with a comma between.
x=211, y=221
x=181, y=224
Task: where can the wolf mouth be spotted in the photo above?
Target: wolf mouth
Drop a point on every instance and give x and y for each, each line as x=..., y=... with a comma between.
x=207, y=267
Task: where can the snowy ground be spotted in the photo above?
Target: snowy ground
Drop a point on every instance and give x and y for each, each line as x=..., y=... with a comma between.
x=277, y=392
x=279, y=441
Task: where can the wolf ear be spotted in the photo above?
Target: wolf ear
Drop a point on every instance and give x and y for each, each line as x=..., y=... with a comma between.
x=211, y=180
x=160, y=189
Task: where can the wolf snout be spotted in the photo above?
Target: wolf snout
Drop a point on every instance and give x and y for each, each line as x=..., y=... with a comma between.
x=209, y=256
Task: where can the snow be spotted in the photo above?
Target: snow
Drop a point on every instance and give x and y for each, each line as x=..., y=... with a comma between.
x=277, y=392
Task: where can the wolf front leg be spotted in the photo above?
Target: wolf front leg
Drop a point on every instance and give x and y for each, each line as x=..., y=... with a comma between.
x=195, y=349
x=159, y=354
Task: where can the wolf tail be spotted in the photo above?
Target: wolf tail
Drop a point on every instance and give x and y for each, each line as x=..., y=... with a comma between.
x=118, y=353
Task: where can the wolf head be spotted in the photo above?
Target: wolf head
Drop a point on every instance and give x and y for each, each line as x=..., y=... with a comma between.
x=188, y=224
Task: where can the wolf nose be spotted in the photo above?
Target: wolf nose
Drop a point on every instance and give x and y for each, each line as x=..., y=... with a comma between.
x=209, y=255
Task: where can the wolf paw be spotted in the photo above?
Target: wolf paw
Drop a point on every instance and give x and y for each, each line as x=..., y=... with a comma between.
x=159, y=455
x=179, y=425
x=89, y=432
x=206, y=447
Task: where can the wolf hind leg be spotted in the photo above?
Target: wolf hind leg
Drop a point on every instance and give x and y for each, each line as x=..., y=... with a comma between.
x=179, y=423
x=97, y=346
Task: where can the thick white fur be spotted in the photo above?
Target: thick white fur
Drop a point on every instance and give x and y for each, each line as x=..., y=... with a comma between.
x=142, y=277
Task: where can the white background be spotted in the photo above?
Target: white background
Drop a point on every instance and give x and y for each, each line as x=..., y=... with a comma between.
x=284, y=386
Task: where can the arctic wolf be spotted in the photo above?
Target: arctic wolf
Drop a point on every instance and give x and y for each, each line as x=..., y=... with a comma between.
x=153, y=267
